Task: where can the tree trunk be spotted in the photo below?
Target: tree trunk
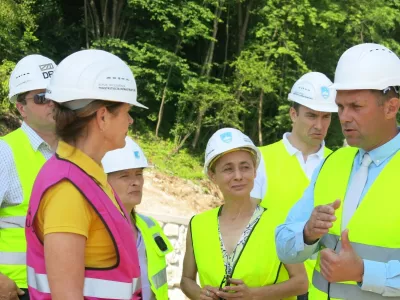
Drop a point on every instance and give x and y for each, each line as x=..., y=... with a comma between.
x=114, y=18
x=86, y=25
x=206, y=69
x=260, y=113
x=160, y=112
x=226, y=46
x=96, y=19
x=182, y=142
x=104, y=8
x=243, y=28
x=199, y=121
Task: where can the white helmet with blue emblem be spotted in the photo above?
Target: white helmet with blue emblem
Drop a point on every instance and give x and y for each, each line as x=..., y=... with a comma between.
x=228, y=140
x=314, y=91
x=129, y=157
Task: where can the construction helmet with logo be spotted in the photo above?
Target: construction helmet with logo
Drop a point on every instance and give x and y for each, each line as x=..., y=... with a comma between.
x=89, y=75
x=367, y=66
x=313, y=91
x=129, y=157
x=33, y=72
x=228, y=140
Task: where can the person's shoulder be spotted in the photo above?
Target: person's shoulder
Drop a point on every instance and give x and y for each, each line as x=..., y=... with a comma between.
x=271, y=146
x=64, y=193
x=6, y=155
x=150, y=221
x=206, y=215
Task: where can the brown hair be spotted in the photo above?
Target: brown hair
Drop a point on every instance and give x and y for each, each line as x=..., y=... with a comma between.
x=71, y=123
x=296, y=107
x=215, y=159
x=382, y=97
x=21, y=98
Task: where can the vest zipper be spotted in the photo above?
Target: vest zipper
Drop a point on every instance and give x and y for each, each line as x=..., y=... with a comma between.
x=244, y=246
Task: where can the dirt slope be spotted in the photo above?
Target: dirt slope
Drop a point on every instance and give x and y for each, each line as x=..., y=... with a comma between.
x=170, y=195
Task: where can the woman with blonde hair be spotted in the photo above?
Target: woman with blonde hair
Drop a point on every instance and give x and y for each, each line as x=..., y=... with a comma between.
x=232, y=247
x=80, y=241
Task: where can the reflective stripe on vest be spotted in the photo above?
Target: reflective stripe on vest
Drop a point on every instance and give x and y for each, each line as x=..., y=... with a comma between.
x=12, y=218
x=373, y=232
x=375, y=253
x=149, y=222
x=345, y=291
x=98, y=288
x=12, y=258
x=160, y=278
x=12, y=222
x=156, y=262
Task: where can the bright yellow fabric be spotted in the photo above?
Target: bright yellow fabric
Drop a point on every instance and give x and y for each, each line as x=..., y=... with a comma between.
x=281, y=195
x=332, y=184
x=258, y=264
x=13, y=239
x=64, y=209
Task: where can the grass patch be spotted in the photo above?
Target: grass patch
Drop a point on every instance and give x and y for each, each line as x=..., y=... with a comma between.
x=158, y=151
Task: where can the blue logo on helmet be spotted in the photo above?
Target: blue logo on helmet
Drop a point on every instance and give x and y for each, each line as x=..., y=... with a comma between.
x=325, y=92
x=137, y=154
x=226, y=137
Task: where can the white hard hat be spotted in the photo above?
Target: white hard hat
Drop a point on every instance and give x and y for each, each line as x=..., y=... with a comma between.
x=33, y=72
x=228, y=139
x=129, y=157
x=367, y=66
x=89, y=75
x=313, y=90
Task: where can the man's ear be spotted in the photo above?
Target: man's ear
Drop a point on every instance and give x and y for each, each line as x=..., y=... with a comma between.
x=293, y=114
x=391, y=108
x=21, y=108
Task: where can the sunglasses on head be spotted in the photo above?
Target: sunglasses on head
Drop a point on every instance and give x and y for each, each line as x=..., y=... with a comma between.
x=39, y=98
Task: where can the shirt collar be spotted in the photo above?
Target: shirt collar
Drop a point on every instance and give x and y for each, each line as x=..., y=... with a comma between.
x=82, y=160
x=35, y=140
x=293, y=150
x=380, y=154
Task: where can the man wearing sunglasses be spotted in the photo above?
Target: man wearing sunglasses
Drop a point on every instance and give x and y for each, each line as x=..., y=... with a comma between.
x=22, y=154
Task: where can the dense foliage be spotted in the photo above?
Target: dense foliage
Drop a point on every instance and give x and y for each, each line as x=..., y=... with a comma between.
x=203, y=64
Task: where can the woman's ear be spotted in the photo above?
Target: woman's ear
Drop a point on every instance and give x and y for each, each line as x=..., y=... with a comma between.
x=102, y=118
x=211, y=175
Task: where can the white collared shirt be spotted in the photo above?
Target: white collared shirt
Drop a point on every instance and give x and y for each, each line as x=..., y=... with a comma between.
x=313, y=160
x=10, y=186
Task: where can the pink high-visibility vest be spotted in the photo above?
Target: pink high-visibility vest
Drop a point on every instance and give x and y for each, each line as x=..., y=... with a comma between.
x=119, y=282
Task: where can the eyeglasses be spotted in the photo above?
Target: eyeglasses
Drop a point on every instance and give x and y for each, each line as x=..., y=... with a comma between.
x=396, y=89
x=39, y=98
x=225, y=282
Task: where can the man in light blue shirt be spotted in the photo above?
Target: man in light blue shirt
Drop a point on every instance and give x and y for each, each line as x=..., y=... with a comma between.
x=366, y=80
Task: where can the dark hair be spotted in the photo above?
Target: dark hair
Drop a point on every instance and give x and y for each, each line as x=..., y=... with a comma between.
x=21, y=98
x=296, y=107
x=71, y=123
x=382, y=97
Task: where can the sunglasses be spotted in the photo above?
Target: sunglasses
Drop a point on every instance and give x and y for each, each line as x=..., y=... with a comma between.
x=396, y=89
x=39, y=98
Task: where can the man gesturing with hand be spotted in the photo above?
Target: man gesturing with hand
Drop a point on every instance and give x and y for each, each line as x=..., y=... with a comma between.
x=350, y=214
x=321, y=220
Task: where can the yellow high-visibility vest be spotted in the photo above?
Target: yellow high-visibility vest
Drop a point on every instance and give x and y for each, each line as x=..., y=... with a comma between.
x=258, y=265
x=286, y=183
x=28, y=162
x=157, y=246
x=373, y=229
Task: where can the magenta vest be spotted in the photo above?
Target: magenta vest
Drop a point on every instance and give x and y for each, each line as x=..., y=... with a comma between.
x=121, y=281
